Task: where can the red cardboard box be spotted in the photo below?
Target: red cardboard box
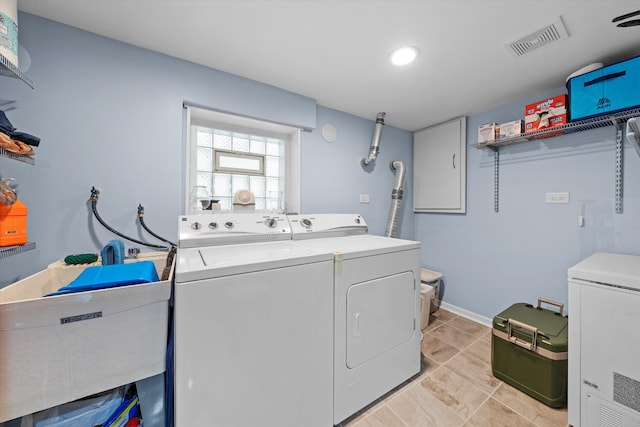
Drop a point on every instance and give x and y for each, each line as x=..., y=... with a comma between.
x=546, y=113
x=559, y=101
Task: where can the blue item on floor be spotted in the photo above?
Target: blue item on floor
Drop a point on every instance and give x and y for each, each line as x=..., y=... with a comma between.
x=109, y=276
x=113, y=253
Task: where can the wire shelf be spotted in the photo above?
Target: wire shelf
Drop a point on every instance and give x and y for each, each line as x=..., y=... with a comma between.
x=14, y=250
x=10, y=70
x=20, y=157
x=577, y=126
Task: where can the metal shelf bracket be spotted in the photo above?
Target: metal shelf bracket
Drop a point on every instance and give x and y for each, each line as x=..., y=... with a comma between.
x=619, y=165
x=496, y=179
x=630, y=116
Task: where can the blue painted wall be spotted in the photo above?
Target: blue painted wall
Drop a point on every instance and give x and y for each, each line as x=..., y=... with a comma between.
x=110, y=115
x=333, y=177
x=491, y=260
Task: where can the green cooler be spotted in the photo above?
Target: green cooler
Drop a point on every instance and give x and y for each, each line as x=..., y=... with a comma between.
x=529, y=348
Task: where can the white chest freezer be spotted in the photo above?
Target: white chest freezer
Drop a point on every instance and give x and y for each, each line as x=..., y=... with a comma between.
x=604, y=341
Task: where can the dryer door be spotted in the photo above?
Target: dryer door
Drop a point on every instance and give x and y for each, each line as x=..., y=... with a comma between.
x=377, y=316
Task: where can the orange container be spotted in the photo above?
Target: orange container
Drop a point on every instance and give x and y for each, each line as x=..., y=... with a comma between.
x=13, y=224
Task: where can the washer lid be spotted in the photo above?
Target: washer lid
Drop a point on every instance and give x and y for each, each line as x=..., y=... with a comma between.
x=608, y=268
x=218, y=261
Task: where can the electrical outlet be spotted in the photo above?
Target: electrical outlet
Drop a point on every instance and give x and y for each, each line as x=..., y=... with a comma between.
x=364, y=198
x=557, y=198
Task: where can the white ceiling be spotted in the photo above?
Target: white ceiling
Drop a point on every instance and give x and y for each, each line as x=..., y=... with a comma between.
x=336, y=51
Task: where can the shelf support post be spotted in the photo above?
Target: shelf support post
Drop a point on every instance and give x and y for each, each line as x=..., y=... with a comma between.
x=619, y=167
x=496, y=178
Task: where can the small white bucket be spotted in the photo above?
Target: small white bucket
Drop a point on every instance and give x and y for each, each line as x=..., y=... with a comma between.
x=427, y=293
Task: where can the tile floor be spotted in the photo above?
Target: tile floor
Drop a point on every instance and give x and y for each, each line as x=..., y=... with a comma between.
x=455, y=387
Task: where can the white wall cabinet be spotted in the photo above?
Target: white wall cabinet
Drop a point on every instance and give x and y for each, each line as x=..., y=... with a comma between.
x=439, y=168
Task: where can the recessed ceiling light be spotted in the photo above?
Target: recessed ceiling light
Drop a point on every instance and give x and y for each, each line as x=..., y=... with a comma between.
x=404, y=55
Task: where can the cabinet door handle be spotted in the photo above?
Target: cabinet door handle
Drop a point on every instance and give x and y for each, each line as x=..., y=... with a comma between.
x=453, y=160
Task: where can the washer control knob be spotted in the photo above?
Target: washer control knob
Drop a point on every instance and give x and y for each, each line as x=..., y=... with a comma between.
x=196, y=226
x=305, y=222
x=213, y=225
x=271, y=222
x=357, y=220
x=229, y=225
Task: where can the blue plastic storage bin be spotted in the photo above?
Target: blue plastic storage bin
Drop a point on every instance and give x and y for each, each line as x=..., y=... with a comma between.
x=109, y=276
x=606, y=90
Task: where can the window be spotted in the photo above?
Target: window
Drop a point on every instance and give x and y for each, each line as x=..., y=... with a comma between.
x=227, y=153
x=234, y=162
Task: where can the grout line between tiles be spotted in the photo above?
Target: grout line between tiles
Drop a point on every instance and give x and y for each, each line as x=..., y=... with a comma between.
x=404, y=390
x=418, y=378
x=479, y=406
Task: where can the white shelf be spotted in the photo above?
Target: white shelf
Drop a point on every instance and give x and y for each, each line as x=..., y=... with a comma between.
x=577, y=126
x=8, y=251
x=20, y=157
x=10, y=70
x=612, y=119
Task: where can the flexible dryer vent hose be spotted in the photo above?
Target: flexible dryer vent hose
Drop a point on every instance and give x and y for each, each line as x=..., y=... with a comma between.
x=396, y=197
x=375, y=140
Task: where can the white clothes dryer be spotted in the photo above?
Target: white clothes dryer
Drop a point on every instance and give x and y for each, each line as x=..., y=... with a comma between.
x=253, y=325
x=377, y=333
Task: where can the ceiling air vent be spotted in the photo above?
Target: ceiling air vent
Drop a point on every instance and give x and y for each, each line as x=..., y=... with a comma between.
x=549, y=34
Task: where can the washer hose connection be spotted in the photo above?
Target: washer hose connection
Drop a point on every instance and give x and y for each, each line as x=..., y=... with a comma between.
x=141, y=218
x=94, y=203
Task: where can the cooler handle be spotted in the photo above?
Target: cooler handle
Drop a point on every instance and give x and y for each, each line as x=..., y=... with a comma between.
x=606, y=77
x=534, y=334
x=551, y=302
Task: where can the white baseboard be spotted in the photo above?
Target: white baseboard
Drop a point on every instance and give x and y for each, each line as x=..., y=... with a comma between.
x=467, y=314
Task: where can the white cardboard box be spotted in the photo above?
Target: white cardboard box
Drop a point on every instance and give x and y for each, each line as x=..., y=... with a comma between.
x=487, y=133
x=511, y=129
x=61, y=348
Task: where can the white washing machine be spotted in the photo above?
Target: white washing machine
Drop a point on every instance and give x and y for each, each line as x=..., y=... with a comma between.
x=377, y=307
x=253, y=325
x=604, y=342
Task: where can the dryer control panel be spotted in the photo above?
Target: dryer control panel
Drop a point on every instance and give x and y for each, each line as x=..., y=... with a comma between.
x=326, y=225
x=226, y=229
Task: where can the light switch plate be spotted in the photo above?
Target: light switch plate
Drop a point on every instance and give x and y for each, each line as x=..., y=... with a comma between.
x=557, y=198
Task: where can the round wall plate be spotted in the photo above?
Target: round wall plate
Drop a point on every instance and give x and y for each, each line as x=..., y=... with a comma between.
x=329, y=132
